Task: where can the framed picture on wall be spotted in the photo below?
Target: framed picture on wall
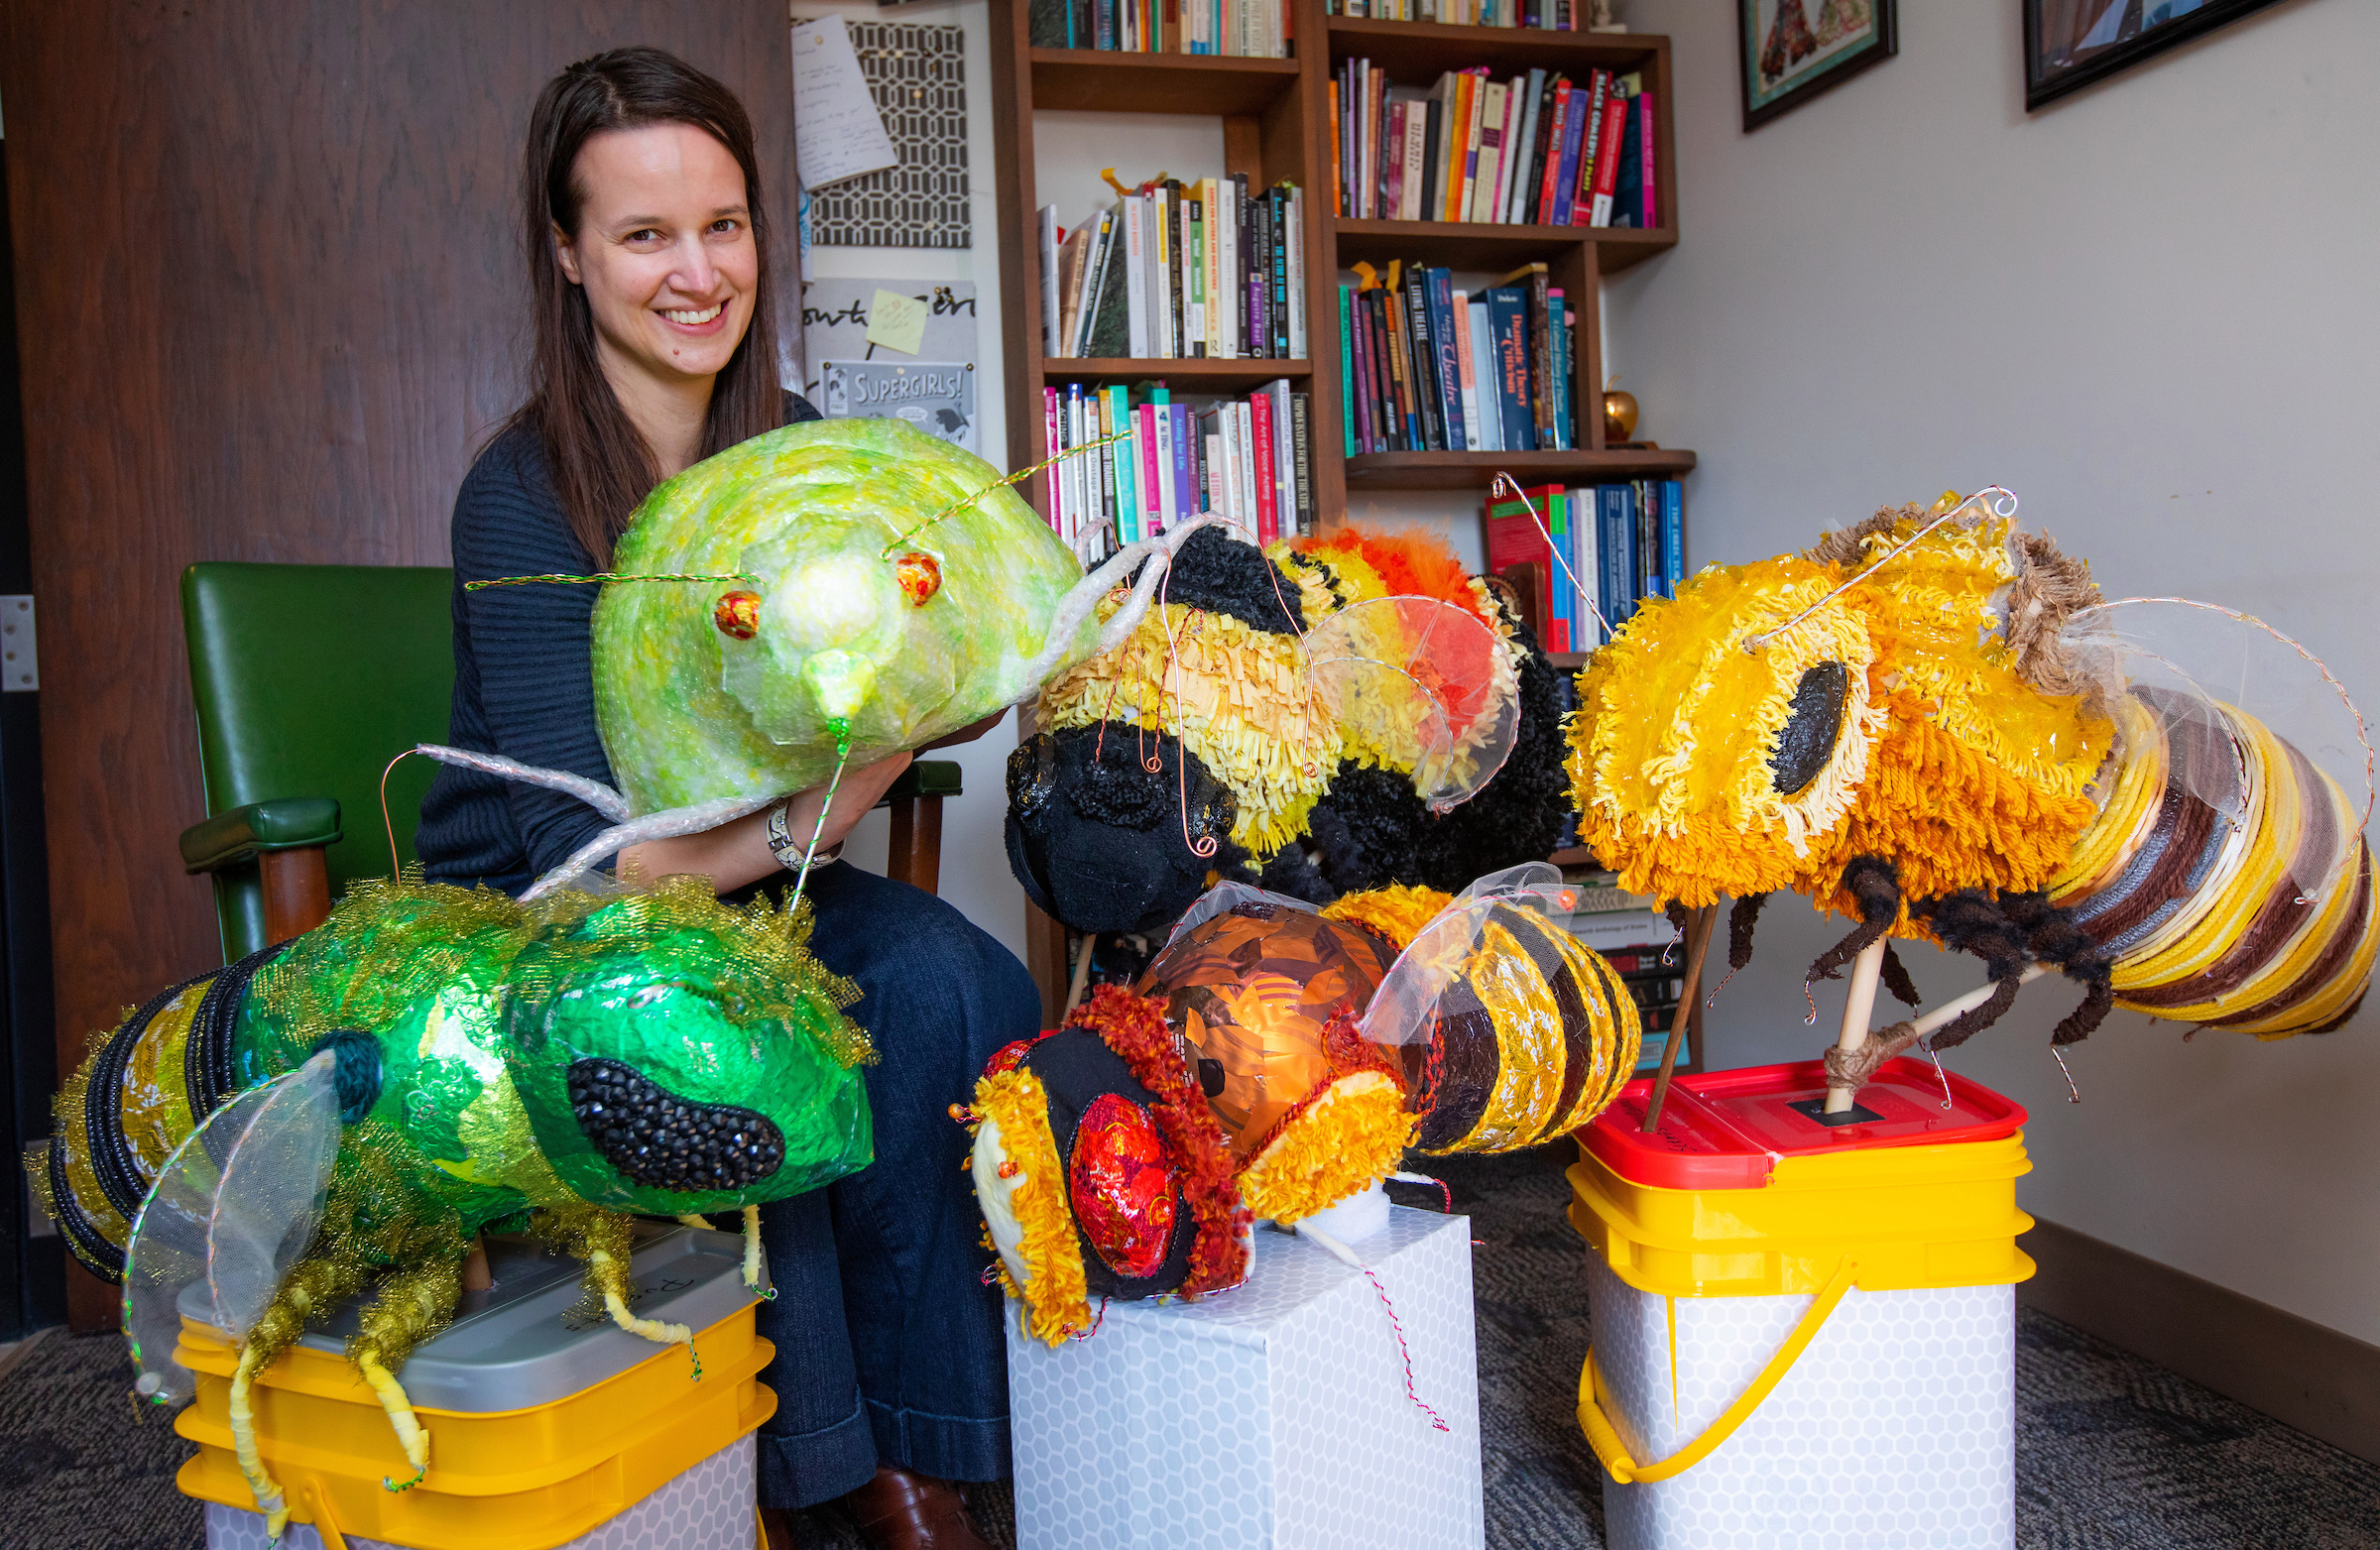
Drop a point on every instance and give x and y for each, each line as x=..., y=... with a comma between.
x=2068, y=44
x=1793, y=49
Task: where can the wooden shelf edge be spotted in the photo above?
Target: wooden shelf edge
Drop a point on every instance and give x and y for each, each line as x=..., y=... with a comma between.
x=1191, y=369
x=1099, y=81
x=1350, y=35
x=1489, y=244
x=1475, y=470
x=1575, y=856
x=1214, y=63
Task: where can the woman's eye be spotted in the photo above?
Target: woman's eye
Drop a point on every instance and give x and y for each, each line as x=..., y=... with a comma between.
x=643, y=234
x=726, y=224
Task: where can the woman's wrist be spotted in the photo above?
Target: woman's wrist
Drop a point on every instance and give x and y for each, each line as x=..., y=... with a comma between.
x=785, y=846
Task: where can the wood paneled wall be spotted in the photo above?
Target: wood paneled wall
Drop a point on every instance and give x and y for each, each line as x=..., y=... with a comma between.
x=269, y=303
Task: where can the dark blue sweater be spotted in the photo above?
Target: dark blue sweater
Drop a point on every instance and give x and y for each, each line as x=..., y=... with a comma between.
x=524, y=676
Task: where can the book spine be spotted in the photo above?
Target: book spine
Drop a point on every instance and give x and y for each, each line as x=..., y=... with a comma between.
x=1259, y=407
x=1467, y=380
x=1366, y=411
x=1488, y=426
x=1301, y=443
x=1194, y=277
x=1136, y=275
x=1390, y=391
x=1582, y=191
x=1393, y=192
x=1053, y=512
x=1295, y=247
x=1444, y=341
x=1346, y=379
x=1673, y=537
x=1145, y=470
x=1046, y=222
x=1103, y=502
x=1557, y=131
x=1524, y=170
x=1541, y=359
x=1423, y=352
x=1606, y=161
x=1278, y=301
x=1400, y=368
x=1475, y=105
x=1184, y=502
x=1245, y=416
x=1490, y=153
x=1338, y=143
x=1508, y=313
x=1562, y=610
x=1557, y=376
x=1120, y=471
x=1645, y=159
x=1168, y=330
x=1565, y=178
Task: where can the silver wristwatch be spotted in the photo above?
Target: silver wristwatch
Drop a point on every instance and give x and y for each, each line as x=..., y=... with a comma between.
x=784, y=847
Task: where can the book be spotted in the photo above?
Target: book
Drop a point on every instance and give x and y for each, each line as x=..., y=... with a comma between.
x=1184, y=495
x=1046, y=224
x=1615, y=534
x=1275, y=395
x=1519, y=552
x=1491, y=146
x=1557, y=368
x=1194, y=276
x=1606, y=159
x=1533, y=280
x=1509, y=333
x=1500, y=209
x=1557, y=627
x=1558, y=136
x=1524, y=170
x=1628, y=189
x=1465, y=369
x=1294, y=246
x=1673, y=536
x=1346, y=379
x=1439, y=298
x=1488, y=424
x=1301, y=440
x=1135, y=248
x=1393, y=187
x=1560, y=194
x=1422, y=351
x=1647, y=127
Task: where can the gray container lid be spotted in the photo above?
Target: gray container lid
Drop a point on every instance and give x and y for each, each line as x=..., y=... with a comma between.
x=527, y=1340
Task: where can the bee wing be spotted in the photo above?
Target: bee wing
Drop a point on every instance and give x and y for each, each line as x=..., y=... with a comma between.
x=235, y=1205
x=1423, y=684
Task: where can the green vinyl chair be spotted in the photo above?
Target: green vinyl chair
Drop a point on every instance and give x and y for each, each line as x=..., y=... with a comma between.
x=307, y=681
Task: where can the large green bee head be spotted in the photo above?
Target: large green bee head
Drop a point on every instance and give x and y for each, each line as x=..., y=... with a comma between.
x=676, y=1054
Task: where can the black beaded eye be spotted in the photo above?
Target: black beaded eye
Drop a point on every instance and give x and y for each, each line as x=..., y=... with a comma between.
x=1032, y=773
x=660, y=1140
x=1807, y=740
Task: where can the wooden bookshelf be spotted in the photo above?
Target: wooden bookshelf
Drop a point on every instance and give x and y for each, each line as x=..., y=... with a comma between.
x=1276, y=126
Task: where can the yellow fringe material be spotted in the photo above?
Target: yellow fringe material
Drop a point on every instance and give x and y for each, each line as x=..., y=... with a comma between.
x=1056, y=1297
x=261, y=1485
x=1351, y=1134
x=1238, y=698
x=1397, y=912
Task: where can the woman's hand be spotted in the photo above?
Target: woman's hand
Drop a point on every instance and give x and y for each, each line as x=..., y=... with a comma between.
x=737, y=853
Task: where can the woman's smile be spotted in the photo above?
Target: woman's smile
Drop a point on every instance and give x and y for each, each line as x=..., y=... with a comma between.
x=697, y=320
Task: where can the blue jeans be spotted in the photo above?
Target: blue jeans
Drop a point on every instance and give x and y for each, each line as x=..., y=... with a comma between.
x=887, y=1341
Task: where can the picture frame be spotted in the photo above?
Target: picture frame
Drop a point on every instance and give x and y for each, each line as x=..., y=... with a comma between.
x=1787, y=57
x=2070, y=43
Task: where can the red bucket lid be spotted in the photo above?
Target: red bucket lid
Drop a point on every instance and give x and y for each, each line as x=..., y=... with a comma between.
x=1726, y=1130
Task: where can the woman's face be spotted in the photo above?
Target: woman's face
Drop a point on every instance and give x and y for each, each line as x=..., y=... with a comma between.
x=663, y=249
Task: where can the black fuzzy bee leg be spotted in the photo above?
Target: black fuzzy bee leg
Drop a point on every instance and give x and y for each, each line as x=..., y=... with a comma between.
x=2053, y=938
x=1742, y=916
x=1897, y=981
x=2008, y=934
x=1875, y=885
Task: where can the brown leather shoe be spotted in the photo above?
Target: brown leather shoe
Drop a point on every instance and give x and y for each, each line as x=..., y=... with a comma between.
x=902, y=1511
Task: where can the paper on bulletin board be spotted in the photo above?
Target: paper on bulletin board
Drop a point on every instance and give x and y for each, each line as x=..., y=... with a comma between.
x=837, y=131
x=839, y=317
x=936, y=396
x=896, y=321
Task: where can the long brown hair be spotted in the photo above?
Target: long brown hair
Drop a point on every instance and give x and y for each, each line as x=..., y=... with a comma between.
x=601, y=464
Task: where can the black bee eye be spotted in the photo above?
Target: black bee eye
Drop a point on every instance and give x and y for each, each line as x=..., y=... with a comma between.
x=1032, y=773
x=1807, y=741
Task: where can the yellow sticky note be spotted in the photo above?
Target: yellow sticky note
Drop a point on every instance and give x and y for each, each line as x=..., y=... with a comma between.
x=896, y=321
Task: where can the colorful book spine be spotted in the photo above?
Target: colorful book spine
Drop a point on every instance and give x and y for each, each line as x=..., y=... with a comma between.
x=1673, y=537
x=1348, y=418
x=1267, y=511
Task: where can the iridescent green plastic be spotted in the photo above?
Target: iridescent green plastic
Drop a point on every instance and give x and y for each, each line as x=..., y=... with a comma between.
x=819, y=515
x=479, y=1005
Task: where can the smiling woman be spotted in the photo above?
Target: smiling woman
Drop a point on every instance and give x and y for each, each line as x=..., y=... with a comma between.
x=647, y=240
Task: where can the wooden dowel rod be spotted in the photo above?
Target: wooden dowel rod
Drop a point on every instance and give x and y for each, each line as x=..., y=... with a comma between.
x=1698, y=928
x=1857, y=1007
x=1082, y=975
x=1950, y=1010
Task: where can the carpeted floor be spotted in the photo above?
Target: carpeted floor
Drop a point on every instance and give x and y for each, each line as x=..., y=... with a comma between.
x=2113, y=1453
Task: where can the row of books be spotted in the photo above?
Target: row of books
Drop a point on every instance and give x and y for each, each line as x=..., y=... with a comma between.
x=1610, y=546
x=1179, y=271
x=1552, y=16
x=1638, y=944
x=1538, y=148
x=1424, y=367
x=1250, y=29
x=1248, y=460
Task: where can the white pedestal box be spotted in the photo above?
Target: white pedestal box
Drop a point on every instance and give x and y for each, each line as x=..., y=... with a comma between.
x=1272, y=1417
x=1896, y=1430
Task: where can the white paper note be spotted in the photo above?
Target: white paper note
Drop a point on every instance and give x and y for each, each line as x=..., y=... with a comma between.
x=837, y=132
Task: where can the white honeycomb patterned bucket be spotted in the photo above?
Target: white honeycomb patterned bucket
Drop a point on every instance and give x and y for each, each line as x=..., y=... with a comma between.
x=708, y=1507
x=1895, y=1430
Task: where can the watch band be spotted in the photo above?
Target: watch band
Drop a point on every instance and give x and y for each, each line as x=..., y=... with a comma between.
x=784, y=847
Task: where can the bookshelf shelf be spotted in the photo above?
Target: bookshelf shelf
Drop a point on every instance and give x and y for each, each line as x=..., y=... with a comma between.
x=1476, y=470
x=1101, y=80
x=1197, y=374
x=1276, y=124
x=1482, y=246
x=1423, y=49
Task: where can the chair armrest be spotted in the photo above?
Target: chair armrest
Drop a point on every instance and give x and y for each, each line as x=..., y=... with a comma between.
x=244, y=833
x=925, y=777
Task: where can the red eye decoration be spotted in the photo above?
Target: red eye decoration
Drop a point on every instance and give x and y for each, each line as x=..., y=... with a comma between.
x=919, y=575
x=1123, y=1191
x=739, y=615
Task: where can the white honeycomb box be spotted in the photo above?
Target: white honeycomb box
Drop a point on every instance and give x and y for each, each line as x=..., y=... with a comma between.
x=1271, y=1417
x=708, y=1507
x=1896, y=1430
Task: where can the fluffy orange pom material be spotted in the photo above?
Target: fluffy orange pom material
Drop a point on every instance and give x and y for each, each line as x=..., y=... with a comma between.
x=1409, y=564
x=1135, y=1027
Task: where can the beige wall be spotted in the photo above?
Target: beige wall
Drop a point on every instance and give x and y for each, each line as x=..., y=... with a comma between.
x=2152, y=310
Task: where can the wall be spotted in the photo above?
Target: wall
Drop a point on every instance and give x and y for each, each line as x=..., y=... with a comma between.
x=2147, y=309
x=269, y=304
x=975, y=860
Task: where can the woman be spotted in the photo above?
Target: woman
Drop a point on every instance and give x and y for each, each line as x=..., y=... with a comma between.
x=656, y=347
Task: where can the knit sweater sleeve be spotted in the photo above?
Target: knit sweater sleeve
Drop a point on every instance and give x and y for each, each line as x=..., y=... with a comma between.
x=531, y=645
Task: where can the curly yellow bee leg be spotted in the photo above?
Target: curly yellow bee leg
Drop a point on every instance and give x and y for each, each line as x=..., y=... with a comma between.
x=689, y=1219
x=261, y=1485
x=754, y=1268
x=399, y=1411
x=609, y=1277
